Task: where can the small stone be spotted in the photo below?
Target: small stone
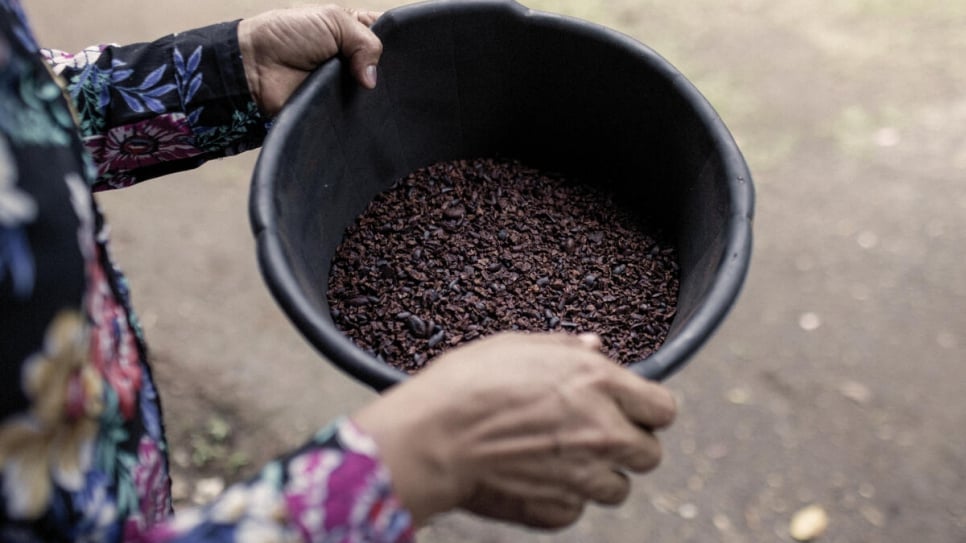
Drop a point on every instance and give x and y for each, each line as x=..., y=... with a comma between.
x=855, y=391
x=662, y=503
x=722, y=522
x=716, y=451
x=688, y=511
x=181, y=458
x=809, y=321
x=739, y=396
x=867, y=239
x=887, y=136
x=808, y=523
x=207, y=490
x=947, y=340
x=179, y=489
x=874, y=516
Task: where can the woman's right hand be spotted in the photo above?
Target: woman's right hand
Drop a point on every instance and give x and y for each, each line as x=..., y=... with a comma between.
x=521, y=427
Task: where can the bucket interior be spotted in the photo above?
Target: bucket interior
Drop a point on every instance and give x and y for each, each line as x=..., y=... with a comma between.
x=464, y=80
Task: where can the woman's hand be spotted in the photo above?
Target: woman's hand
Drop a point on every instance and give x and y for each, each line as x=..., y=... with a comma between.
x=281, y=47
x=520, y=427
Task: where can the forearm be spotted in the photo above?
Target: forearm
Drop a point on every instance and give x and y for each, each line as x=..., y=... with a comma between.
x=149, y=109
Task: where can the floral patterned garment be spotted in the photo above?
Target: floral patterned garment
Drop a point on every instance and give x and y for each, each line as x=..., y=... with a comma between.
x=82, y=450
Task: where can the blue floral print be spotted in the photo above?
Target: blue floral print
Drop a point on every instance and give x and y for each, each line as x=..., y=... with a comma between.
x=16, y=209
x=144, y=95
x=188, y=80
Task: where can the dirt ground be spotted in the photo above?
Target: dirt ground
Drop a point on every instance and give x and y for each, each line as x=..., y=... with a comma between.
x=838, y=379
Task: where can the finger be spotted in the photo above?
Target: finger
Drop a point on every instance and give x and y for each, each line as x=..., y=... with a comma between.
x=557, y=478
x=494, y=504
x=360, y=46
x=587, y=340
x=365, y=17
x=591, y=341
x=629, y=443
x=543, y=478
x=643, y=456
x=606, y=486
x=611, y=438
x=551, y=514
x=594, y=477
x=645, y=402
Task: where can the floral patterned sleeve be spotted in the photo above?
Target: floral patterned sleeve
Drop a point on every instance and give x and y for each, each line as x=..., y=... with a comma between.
x=149, y=109
x=333, y=489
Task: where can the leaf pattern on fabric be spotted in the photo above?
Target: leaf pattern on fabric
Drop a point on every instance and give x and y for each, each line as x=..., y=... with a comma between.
x=230, y=137
x=144, y=96
x=147, y=109
x=99, y=514
x=189, y=79
x=89, y=86
x=17, y=209
x=37, y=114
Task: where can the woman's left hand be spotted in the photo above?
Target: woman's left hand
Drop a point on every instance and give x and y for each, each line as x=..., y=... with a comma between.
x=281, y=47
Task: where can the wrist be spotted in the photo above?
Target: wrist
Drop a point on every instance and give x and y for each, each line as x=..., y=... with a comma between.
x=247, y=48
x=412, y=444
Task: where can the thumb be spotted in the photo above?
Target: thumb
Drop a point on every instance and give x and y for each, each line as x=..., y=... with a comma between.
x=360, y=47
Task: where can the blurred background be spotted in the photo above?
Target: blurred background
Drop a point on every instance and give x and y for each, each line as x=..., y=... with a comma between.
x=836, y=384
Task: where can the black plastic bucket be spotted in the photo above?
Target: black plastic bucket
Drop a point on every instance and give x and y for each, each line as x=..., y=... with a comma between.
x=482, y=78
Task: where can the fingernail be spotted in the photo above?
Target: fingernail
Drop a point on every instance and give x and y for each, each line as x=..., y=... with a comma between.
x=371, y=76
x=590, y=340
